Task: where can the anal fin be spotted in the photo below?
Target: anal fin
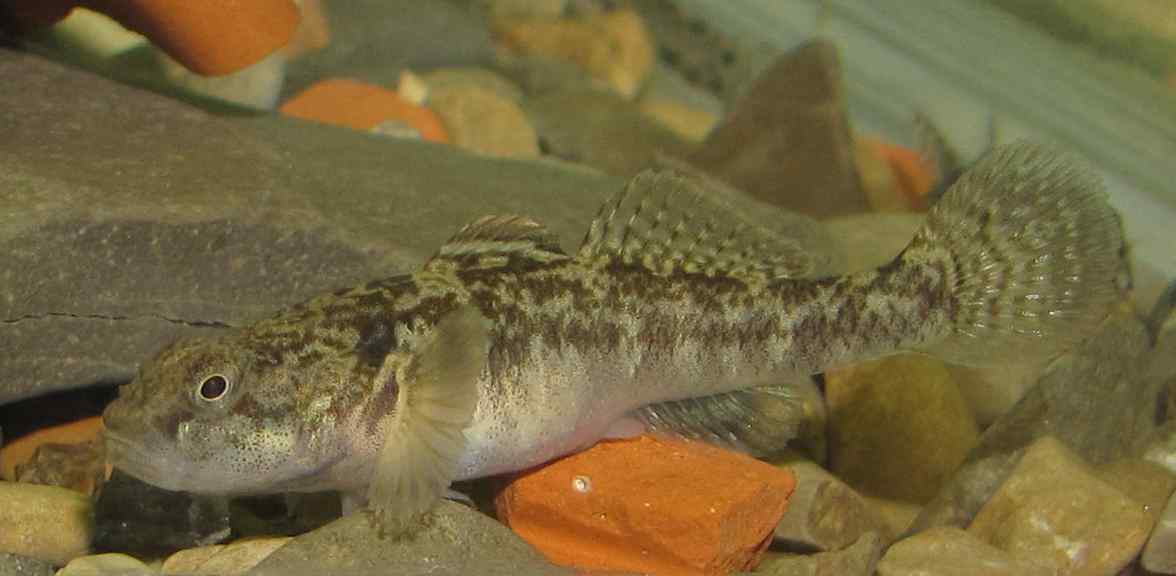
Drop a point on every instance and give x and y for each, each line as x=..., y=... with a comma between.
x=759, y=421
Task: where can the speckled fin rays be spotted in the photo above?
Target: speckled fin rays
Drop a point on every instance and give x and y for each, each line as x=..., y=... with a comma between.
x=425, y=438
x=667, y=222
x=1036, y=252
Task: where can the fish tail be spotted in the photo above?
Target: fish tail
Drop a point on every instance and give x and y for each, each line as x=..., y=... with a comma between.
x=1033, y=254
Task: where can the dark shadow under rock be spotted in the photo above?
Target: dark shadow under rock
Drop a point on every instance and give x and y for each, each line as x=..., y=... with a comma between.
x=455, y=540
x=1100, y=401
x=787, y=141
x=131, y=516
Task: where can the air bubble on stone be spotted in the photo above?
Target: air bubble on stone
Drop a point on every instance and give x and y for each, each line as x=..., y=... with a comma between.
x=582, y=484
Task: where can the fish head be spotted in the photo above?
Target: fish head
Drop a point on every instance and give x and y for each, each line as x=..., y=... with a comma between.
x=206, y=416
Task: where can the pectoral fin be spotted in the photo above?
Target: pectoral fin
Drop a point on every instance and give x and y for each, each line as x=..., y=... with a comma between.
x=425, y=437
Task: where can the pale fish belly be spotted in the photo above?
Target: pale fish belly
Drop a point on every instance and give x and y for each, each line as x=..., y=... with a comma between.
x=562, y=400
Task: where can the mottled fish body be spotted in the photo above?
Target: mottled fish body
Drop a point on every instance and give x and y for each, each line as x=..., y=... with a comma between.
x=504, y=352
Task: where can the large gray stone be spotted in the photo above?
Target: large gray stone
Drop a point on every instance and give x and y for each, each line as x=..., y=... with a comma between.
x=455, y=540
x=787, y=141
x=129, y=219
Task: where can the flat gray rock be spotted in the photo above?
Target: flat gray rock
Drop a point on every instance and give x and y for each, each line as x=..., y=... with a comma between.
x=130, y=219
x=456, y=540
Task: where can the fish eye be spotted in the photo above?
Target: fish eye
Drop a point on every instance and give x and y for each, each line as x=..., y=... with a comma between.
x=213, y=388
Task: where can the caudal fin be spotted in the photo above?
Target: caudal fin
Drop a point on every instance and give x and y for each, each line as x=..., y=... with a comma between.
x=1035, y=253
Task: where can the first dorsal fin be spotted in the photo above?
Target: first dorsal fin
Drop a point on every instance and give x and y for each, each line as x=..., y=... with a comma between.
x=666, y=222
x=494, y=241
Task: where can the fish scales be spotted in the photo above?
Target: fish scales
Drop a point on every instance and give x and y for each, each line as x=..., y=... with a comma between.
x=503, y=352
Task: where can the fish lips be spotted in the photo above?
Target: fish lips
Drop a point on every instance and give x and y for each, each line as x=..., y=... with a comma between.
x=140, y=461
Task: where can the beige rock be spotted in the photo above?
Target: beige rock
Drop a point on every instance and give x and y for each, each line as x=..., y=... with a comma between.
x=44, y=522
x=690, y=123
x=1054, y=508
x=1160, y=553
x=856, y=560
x=613, y=47
x=105, y=565
x=896, y=515
x=189, y=561
x=824, y=514
x=899, y=426
x=550, y=9
x=480, y=121
x=240, y=557
x=444, y=79
x=948, y=551
x=1147, y=483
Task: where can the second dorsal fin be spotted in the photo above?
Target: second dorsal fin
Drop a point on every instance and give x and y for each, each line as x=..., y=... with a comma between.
x=667, y=222
x=494, y=241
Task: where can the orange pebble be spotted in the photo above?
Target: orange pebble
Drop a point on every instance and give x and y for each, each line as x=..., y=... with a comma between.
x=21, y=450
x=210, y=37
x=914, y=175
x=361, y=106
x=649, y=505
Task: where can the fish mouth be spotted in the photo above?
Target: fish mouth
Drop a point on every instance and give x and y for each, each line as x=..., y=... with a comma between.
x=138, y=461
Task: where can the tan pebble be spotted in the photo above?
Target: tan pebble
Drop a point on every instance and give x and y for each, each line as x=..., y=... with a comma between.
x=1147, y=483
x=1055, y=509
x=44, y=522
x=443, y=79
x=951, y=551
x=238, y=557
x=189, y=561
x=823, y=513
x=105, y=565
x=613, y=47
x=1159, y=555
x=896, y=515
x=859, y=558
x=482, y=122
x=690, y=123
x=548, y=9
x=412, y=88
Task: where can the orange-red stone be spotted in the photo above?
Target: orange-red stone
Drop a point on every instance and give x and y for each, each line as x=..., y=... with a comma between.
x=649, y=505
x=210, y=37
x=913, y=174
x=20, y=450
x=361, y=106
